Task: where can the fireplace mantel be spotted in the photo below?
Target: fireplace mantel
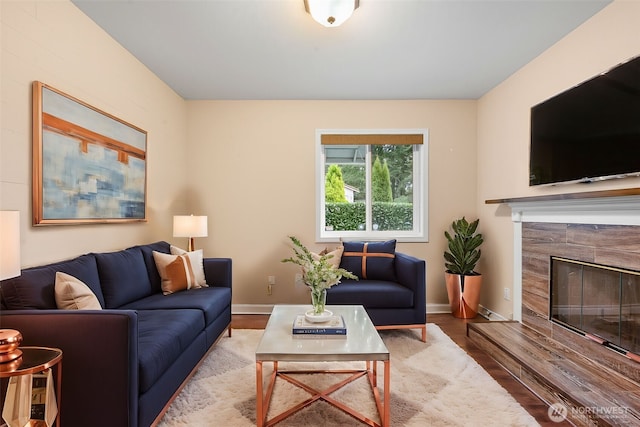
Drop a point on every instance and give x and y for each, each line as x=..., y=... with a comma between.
x=570, y=196
x=611, y=207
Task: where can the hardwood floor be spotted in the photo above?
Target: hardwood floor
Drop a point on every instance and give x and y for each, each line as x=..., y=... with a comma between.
x=456, y=329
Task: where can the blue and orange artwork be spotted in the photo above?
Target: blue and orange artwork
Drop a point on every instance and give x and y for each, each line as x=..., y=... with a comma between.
x=93, y=165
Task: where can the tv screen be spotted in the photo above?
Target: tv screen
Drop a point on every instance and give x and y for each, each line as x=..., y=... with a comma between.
x=589, y=132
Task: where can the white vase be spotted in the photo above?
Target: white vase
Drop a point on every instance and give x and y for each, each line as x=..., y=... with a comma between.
x=319, y=312
x=318, y=300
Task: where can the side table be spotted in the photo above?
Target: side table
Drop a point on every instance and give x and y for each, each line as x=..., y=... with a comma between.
x=35, y=360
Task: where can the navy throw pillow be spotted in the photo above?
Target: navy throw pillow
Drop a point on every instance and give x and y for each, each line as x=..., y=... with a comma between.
x=34, y=288
x=123, y=277
x=370, y=260
x=147, y=253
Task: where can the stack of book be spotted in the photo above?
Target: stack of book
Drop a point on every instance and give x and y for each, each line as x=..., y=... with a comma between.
x=334, y=327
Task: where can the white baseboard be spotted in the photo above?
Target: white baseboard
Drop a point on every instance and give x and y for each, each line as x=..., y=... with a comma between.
x=438, y=309
x=482, y=311
x=266, y=308
x=251, y=308
x=431, y=309
x=490, y=315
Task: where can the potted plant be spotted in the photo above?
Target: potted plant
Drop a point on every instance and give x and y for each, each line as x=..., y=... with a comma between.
x=318, y=273
x=463, y=282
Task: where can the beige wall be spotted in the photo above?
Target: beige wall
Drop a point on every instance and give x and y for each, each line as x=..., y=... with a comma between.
x=55, y=43
x=610, y=37
x=249, y=165
x=252, y=170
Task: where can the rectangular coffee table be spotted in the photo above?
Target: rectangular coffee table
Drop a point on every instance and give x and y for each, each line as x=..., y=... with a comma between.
x=362, y=343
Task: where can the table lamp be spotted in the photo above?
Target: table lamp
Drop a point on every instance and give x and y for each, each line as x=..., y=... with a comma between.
x=9, y=244
x=190, y=226
x=9, y=267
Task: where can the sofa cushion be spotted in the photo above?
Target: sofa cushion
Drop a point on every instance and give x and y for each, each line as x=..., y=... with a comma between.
x=211, y=301
x=34, y=288
x=370, y=260
x=147, y=254
x=123, y=277
x=196, y=258
x=370, y=294
x=163, y=335
x=72, y=294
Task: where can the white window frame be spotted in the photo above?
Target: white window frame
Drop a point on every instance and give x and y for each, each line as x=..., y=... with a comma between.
x=420, y=191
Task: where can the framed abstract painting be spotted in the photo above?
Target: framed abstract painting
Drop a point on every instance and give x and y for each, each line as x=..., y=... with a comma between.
x=88, y=166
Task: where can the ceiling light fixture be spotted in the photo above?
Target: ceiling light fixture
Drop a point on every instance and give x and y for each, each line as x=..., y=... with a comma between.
x=331, y=13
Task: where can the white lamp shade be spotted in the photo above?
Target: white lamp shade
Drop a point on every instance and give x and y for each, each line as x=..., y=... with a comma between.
x=9, y=244
x=189, y=226
x=331, y=13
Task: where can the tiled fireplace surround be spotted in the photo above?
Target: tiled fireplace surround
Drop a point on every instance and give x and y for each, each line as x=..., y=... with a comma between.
x=603, y=230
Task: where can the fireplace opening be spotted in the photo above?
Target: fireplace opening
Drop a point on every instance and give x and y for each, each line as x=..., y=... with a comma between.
x=598, y=301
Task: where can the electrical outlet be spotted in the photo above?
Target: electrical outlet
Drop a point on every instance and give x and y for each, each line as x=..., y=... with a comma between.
x=298, y=280
x=507, y=294
x=271, y=280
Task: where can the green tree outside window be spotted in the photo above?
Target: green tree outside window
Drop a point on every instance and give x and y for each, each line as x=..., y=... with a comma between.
x=334, y=185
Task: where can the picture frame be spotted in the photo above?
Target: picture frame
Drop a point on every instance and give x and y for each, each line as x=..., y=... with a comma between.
x=88, y=166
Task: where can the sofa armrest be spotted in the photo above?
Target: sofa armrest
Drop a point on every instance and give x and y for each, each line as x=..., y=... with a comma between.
x=411, y=273
x=217, y=271
x=99, y=360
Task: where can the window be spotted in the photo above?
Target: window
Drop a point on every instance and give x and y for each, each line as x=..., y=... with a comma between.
x=372, y=185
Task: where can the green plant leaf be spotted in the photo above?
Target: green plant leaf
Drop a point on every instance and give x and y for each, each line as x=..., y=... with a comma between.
x=463, y=247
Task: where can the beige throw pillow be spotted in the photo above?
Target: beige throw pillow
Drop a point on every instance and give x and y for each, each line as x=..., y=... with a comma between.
x=175, y=271
x=334, y=261
x=197, y=265
x=72, y=294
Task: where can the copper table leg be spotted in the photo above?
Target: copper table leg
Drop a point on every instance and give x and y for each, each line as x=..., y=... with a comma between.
x=382, y=405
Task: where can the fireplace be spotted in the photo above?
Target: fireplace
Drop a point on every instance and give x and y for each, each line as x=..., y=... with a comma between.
x=576, y=262
x=598, y=301
x=598, y=227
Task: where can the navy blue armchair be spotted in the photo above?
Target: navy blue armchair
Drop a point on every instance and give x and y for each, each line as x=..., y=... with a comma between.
x=391, y=304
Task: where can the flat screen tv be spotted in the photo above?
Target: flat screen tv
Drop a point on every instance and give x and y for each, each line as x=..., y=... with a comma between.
x=590, y=132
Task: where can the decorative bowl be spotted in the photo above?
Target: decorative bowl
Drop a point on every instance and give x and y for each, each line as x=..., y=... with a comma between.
x=10, y=340
x=318, y=318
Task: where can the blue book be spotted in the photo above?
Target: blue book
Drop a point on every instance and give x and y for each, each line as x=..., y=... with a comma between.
x=335, y=326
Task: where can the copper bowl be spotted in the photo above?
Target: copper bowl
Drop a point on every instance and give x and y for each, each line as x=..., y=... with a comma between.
x=9, y=342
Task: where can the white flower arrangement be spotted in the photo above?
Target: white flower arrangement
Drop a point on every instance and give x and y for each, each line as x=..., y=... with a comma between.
x=317, y=271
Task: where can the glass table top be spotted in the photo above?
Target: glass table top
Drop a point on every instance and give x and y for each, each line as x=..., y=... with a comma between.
x=32, y=360
x=362, y=342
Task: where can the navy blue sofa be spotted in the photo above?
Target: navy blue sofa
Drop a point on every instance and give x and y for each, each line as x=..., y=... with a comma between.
x=398, y=301
x=121, y=365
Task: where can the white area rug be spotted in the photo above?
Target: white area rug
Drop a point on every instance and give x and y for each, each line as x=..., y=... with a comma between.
x=432, y=384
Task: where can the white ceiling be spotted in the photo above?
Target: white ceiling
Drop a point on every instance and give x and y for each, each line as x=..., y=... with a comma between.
x=388, y=49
